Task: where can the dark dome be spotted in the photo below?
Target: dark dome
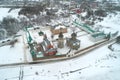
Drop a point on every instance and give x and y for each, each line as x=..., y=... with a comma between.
x=73, y=34
x=61, y=35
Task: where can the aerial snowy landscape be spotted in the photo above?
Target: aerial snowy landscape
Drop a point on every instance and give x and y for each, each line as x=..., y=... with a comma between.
x=60, y=40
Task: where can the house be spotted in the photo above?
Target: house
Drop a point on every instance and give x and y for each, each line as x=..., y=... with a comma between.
x=58, y=28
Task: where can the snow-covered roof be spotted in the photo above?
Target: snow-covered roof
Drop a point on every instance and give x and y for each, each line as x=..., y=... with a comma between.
x=59, y=26
x=83, y=14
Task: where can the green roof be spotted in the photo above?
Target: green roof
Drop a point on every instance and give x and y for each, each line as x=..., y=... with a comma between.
x=40, y=33
x=98, y=34
x=86, y=27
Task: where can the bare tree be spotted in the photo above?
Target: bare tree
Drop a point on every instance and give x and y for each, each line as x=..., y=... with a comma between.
x=11, y=25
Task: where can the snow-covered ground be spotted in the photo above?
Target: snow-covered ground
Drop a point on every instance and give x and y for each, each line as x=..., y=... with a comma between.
x=116, y=47
x=4, y=12
x=91, y=66
x=100, y=64
x=14, y=54
x=111, y=23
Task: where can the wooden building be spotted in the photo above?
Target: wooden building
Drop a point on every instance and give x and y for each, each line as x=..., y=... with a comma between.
x=58, y=29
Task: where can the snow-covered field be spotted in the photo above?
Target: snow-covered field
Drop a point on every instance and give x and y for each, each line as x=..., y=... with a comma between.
x=14, y=54
x=100, y=64
x=4, y=12
x=96, y=65
x=111, y=23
